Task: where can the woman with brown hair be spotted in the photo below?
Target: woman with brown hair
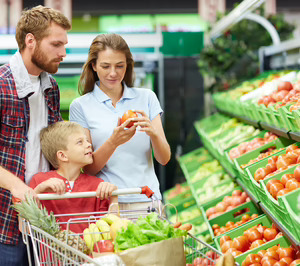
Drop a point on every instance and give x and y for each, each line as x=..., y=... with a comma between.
x=121, y=156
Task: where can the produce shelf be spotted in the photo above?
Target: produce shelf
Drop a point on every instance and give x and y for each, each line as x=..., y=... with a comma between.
x=278, y=131
x=293, y=241
x=243, y=119
x=294, y=136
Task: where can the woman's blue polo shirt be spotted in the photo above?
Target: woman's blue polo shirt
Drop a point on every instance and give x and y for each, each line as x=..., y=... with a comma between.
x=131, y=165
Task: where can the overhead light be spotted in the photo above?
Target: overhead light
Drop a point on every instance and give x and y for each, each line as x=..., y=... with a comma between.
x=234, y=16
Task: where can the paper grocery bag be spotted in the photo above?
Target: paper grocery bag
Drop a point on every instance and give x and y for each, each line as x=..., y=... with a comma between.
x=163, y=253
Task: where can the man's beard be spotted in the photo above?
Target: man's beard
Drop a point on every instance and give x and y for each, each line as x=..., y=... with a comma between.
x=40, y=59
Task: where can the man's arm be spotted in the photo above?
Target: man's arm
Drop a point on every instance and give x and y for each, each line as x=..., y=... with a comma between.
x=14, y=184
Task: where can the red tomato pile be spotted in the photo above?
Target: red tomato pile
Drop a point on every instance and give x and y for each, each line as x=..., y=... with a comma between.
x=286, y=93
x=252, y=238
x=205, y=261
x=228, y=203
x=288, y=183
x=251, y=145
x=231, y=225
x=276, y=255
x=279, y=163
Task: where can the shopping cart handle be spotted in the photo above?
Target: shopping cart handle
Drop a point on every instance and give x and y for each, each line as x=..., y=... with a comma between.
x=147, y=191
x=90, y=194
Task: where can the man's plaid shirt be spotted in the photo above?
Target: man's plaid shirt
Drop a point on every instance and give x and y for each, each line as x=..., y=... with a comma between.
x=13, y=135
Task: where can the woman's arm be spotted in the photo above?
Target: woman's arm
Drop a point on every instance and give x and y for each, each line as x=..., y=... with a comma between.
x=154, y=129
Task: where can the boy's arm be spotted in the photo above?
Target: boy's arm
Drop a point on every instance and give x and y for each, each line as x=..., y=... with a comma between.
x=55, y=185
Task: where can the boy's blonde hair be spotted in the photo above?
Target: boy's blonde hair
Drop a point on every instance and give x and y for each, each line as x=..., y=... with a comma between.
x=37, y=21
x=55, y=137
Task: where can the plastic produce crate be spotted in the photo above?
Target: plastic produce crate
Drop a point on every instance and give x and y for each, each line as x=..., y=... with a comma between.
x=263, y=220
x=233, y=215
x=278, y=119
x=177, y=199
x=245, y=158
x=191, y=161
x=68, y=87
x=292, y=119
x=282, y=241
x=256, y=187
x=276, y=207
x=291, y=202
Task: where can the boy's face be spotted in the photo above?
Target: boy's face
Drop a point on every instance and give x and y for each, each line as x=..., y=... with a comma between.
x=79, y=149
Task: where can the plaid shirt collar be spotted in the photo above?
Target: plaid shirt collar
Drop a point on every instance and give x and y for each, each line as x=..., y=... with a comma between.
x=21, y=77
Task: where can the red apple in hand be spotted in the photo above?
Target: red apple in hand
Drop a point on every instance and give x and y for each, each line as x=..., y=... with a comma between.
x=128, y=114
x=104, y=246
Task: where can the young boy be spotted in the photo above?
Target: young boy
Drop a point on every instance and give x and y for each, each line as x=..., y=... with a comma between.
x=65, y=146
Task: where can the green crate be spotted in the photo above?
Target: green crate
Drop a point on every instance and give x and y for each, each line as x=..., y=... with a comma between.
x=245, y=158
x=263, y=220
x=256, y=188
x=291, y=118
x=184, y=204
x=278, y=119
x=229, y=183
x=192, y=160
x=291, y=202
x=277, y=208
x=233, y=215
x=68, y=87
x=179, y=197
x=282, y=241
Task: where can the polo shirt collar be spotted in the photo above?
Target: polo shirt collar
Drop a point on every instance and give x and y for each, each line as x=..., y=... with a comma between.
x=23, y=84
x=128, y=93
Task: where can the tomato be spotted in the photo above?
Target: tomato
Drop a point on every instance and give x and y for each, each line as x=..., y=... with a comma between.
x=241, y=243
x=104, y=246
x=253, y=258
x=198, y=261
x=254, y=216
x=292, y=184
x=284, y=86
x=297, y=173
x=129, y=114
x=286, y=260
x=210, y=211
x=257, y=243
x=215, y=226
x=237, y=192
x=254, y=234
x=262, y=253
x=223, y=239
x=245, y=218
x=227, y=245
x=295, y=262
x=285, y=178
x=282, y=192
x=273, y=254
x=274, y=189
x=268, y=261
x=280, y=263
x=270, y=233
x=287, y=252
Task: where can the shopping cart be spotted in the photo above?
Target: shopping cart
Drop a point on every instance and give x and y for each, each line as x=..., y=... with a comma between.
x=49, y=250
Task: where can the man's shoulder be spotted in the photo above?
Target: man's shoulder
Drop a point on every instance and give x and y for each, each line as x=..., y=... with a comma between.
x=5, y=72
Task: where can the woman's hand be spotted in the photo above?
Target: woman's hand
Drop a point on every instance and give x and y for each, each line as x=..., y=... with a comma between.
x=122, y=134
x=144, y=124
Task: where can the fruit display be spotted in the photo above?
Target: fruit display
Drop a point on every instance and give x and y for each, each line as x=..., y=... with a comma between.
x=205, y=170
x=263, y=155
x=237, y=198
x=248, y=146
x=179, y=189
x=275, y=255
x=285, y=185
x=230, y=225
x=279, y=163
x=207, y=259
x=251, y=238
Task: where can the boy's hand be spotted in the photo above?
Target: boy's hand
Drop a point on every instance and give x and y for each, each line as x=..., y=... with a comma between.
x=105, y=189
x=55, y=185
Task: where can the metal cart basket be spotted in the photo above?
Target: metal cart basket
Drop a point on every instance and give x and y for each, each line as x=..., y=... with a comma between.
x=49, y=250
